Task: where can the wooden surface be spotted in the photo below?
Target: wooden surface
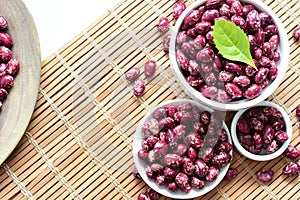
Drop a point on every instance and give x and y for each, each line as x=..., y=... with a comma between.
x=19, y=106
x=79, y=142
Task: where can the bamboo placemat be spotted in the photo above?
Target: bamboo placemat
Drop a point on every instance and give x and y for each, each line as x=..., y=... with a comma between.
x=79, y=142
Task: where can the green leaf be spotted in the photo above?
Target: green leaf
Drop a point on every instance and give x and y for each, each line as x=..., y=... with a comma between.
x=232, y=42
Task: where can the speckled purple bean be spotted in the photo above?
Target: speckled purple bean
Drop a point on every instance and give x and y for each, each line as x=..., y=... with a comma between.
x=253, y=20
x=265, y=175
x=253, y=91
x=246, y=9
x=210, y=15
x=205, y=55
x=225, y=10
x=296, y=33
x=181, y=37
x=236, y=8
x=233, y=90
x=178, y=8
x=182, y=59
x=203, y=27
x=239, y=21
x=271, y=30
x=241, y=80
x=261, y=75
x=232, y=67
x=199, y=42
x=192, y=17
x=210, y=4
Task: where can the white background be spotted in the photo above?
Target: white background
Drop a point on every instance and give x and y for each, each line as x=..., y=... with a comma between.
x=58, y=21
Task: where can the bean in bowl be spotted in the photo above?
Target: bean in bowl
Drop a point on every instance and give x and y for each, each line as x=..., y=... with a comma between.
x=263, y=132
x=214, y=75
x=184, y=149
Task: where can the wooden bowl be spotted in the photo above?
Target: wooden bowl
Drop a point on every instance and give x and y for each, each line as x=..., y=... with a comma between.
x=17, y=109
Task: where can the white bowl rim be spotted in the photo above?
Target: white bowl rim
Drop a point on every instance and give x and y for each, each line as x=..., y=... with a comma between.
x=250, y=155
x=162, y=189
x=235, y=105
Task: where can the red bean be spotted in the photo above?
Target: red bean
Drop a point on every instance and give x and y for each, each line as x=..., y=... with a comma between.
x=272, y=147
x=253, y=20
x=5, y=40
x=211, y=79
x=210, y=92
x=3, y=93
x=233, y=90
x=5, y=54
x=231, y=173
x=199, y=42
x=209, y=37
x=246, y=9
x=265, y=175
x=205, y=55
x=6, y=82
x=292, y=153
x=249, y=71
x=239, y=21
x=3, y=23
x=273, y=72
x=225, y=10
x=241, y=81
x=296, y=33
x=221, y=159
x=281, y=136
x=268, y=134
x=163, y=24
x=298, y=111
x=257, y=53
x=210, y=15
x=182, y=180
x=253, y=42
x=236, y=8
x=143, y=196
x=271, y=30
x=203, y=27
x=12, y=67
x=131, y=75
x=181, y=37
x=253, y=91
x=265, y=19
x=243, y=126
x=191, y=33
x=192, y=17
x=178, y=8
x=212, y=174
x=261, y=75
x=260, y=37
x=139, y=87
x=232, y=67
x=211, y=4
x=291, y=169
x=223, y=96
x=197, y=183
x=182, y=59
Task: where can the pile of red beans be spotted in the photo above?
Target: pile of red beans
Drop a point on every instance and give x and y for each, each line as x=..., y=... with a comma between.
x=183, y=147
x=219, y=78
x=9, y=66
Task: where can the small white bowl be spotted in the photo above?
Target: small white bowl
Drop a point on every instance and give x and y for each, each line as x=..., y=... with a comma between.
x=140, y=165
x=283, y=48
x=262, y=157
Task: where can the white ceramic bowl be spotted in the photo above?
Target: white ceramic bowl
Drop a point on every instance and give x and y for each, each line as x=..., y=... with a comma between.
x=262, y=156
x=283, y=48
x=140, y=165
